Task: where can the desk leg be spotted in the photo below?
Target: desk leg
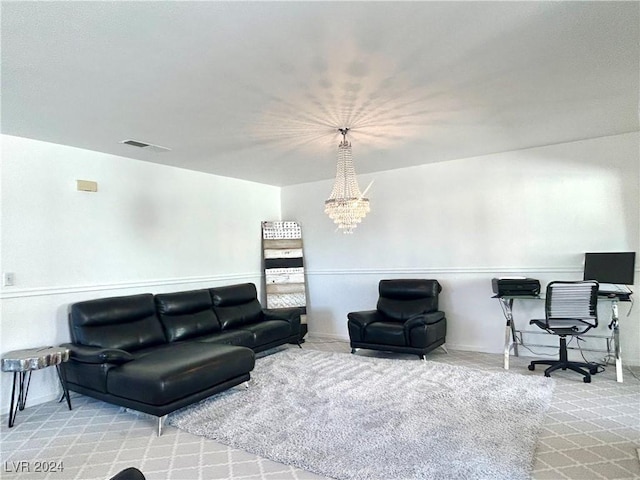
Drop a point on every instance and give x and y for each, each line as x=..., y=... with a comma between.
x=513, y=337
x=510, y=331
x=507, y=346
x=616, y=339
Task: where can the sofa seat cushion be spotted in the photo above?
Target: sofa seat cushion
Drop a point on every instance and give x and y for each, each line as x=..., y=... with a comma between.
x=385, y=333
x=268, y=331
x=242, y=338
x=178, y=370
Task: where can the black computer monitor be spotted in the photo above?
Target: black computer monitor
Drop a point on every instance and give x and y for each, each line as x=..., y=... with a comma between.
x=610, y=267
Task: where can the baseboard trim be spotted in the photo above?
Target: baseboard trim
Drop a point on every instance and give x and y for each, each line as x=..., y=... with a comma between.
x=332, y=337
x=470, y=348
x=320, y=337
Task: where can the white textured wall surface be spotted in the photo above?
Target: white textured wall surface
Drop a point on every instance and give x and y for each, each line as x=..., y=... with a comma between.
x=531, y=212
x=158, y=229
x=149, y=228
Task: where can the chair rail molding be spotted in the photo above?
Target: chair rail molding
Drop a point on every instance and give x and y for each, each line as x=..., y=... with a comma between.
x=446, y=270
x=11, y=292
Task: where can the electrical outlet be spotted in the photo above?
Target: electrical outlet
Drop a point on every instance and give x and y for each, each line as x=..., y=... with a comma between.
x=8, y=279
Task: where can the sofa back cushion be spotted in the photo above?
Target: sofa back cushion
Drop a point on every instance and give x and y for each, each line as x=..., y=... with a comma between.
x=128, y=323
x=236, y=305
x=186, y=315
x=402, y=299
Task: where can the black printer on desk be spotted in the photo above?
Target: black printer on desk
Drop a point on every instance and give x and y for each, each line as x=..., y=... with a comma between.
x=515, y=286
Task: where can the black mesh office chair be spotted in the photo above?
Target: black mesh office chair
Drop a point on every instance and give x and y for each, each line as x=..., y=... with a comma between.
x=571, y=308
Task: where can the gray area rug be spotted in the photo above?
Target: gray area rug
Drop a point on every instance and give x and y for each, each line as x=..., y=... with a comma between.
x=352, y=417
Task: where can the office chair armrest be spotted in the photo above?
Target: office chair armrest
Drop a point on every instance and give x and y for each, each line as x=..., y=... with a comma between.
x=564, y=325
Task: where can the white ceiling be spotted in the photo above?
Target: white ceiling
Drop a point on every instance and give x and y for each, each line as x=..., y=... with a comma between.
x=257, y=90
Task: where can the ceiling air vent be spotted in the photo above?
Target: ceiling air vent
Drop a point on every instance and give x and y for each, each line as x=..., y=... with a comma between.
x=147, y=146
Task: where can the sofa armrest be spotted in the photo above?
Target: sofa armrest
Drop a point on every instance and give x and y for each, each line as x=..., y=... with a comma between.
x=86, y=354
x=358, y=321
x=289, y=314
x=423, y=319
x=364, y=318
x=421, y=330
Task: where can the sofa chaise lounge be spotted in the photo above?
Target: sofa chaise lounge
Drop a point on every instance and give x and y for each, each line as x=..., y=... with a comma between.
x=158, y=353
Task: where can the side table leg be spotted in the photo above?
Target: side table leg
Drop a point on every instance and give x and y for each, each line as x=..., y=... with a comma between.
x=63, y=381
x=19, y=379
x=12, y=412
x=22, y=398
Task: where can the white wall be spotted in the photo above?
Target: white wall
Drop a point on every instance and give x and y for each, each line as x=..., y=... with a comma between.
x=149, y=228
x=156, y=229
x=532, y=212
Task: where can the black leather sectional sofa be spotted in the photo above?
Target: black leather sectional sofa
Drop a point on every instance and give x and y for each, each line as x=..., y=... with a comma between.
x=159, y=353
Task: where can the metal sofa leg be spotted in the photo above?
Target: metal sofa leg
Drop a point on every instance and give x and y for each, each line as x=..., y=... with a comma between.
x=445, y=348
x=161, y=424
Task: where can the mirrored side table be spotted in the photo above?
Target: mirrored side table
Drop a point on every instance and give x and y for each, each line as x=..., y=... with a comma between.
x=22, y=363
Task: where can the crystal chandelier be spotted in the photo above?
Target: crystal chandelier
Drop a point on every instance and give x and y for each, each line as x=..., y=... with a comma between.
x=346, y=205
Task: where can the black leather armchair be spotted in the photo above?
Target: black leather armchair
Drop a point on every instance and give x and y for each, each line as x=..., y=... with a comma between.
x=406, y=320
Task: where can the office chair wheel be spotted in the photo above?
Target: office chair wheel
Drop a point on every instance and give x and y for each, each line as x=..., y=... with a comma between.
x=587, y=379
x=593, y=370
x=531, y=367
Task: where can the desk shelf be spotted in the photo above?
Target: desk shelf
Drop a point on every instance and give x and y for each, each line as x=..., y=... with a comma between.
x=609, y=339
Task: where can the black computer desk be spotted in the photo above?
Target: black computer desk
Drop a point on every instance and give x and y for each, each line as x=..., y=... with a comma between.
x=513, y=336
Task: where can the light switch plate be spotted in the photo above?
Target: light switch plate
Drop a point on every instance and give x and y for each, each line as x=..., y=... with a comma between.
x=87, y=186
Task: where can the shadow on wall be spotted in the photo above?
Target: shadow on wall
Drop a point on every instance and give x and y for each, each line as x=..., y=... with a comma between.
x=319, y=318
